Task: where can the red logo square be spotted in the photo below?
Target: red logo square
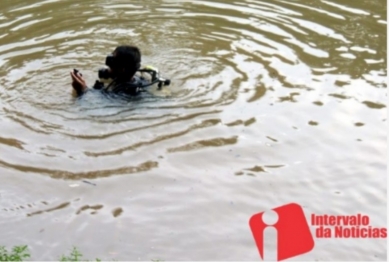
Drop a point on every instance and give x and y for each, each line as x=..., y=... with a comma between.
x=293, y=235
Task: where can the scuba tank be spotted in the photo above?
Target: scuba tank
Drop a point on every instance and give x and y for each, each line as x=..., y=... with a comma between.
x=155, y=76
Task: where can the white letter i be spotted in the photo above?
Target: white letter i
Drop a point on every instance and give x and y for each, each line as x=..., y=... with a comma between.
x=270, y=239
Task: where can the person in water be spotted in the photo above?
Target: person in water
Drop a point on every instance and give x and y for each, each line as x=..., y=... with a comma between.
x=122, y=64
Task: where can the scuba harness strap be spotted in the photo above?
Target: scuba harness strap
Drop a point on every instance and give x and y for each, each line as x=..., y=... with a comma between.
x=137, y=85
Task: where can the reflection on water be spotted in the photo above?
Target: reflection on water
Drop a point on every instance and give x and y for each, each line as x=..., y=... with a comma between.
x=271, y=102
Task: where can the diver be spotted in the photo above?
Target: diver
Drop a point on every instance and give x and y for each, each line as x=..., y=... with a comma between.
x=123, y=65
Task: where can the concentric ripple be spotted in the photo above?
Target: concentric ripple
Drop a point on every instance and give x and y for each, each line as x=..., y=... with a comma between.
x=221, y=57
x=270, y=102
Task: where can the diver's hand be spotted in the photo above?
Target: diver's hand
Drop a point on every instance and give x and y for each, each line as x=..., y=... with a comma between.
x=78, y=83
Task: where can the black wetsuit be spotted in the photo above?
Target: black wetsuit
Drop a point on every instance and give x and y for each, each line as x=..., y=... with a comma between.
x=132, y=88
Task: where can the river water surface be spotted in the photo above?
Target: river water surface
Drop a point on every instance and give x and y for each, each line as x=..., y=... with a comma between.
x=271, y=102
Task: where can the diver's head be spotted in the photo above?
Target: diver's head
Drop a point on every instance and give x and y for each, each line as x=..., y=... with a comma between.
x=123, y=63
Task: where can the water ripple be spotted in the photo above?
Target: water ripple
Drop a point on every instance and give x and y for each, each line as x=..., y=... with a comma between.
x=273, y=96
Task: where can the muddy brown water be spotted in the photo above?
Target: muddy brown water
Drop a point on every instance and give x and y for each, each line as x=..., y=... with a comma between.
x=271, y=102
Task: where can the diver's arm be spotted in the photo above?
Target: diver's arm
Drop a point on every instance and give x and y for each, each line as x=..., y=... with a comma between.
x=78, y=84
x=78, y=93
